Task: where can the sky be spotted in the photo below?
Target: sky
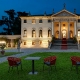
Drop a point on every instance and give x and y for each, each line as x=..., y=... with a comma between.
x=38, y=6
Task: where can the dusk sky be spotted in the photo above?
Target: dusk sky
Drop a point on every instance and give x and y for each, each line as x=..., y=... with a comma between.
x=38, y=6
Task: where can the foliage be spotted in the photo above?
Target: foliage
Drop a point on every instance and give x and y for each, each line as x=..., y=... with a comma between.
x=62, y=72
x=12, y=21
x=74, y=40
x=3, y=38
x=2, y=46
x=16, y=41
x=53, y=38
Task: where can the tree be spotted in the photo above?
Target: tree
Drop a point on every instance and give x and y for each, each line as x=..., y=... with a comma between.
x=12, y=21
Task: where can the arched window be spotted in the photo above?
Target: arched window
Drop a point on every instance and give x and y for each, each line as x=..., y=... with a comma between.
x=40, y=33
x=79, y=32
x=25, y=33
x=49, y=33
x=71, y=33
x=33, y=33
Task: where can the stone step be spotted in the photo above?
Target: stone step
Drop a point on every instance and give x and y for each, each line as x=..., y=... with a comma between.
x=58, y=42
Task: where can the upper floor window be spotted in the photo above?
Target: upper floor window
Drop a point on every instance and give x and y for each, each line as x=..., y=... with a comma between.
x=40, y=21
x=49, y=20
x=78, y=32
x=49, y=33
x=33, y=21
x=79, y=20
x=40, y=33
x=25, y=21
x=25, y=33
x=33, y=33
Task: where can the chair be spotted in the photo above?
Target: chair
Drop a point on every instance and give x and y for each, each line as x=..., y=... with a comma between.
x=75, y=62
x=49, y=61
x=14, y=62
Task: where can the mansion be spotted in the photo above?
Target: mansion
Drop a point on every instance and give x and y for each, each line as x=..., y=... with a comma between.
x=37, y=30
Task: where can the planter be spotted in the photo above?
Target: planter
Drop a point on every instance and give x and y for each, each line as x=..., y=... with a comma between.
x=2, y=52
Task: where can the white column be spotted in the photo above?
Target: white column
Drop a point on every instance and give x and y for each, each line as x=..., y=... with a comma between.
x=59, y=29
x=75, y=28
x=68, y=29
x=52, y=28
x=11, y=43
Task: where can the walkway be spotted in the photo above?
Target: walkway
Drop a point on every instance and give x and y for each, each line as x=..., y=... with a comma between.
x=31, y=51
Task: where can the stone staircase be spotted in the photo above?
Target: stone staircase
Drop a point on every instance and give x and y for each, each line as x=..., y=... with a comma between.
x=58, y=42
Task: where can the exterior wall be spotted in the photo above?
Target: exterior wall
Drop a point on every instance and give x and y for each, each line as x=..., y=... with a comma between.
x=29, y=26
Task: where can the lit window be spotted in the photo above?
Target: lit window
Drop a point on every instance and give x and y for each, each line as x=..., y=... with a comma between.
x=33, y=42
x=25, y=21
x=40, y=33
x=40, y=42
x=33, y=33
x=24, y=43
x=33, y=21
x=78, y=32
x=40, y=21
x=25, y=33
x=49, y=33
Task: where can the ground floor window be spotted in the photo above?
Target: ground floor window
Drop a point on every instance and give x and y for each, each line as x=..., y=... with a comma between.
x=40, y=42
x=33, y=42
x=25, y=43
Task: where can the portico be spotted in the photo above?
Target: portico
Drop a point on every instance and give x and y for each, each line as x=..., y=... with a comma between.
x=64, y=25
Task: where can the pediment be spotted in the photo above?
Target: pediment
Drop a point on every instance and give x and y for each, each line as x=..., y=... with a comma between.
x=64, y=13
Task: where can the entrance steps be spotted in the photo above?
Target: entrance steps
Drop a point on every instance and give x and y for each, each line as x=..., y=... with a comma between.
x=58, y=43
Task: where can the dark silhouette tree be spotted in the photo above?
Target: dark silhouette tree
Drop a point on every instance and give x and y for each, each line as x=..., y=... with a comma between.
x=12, y=21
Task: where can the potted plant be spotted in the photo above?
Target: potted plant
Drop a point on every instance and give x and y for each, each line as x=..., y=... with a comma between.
x=2, y=49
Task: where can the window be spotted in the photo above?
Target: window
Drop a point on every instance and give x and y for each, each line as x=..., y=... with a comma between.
x=40, y=21
x=40, y=33
x=24, y=43
x=70, y=24
x=79, y=20
x=33, y=21
x=33, y=42
x=57, y=25
x=25, y=33
x=49, y=33
x=25, y=21
x=78, y=32
x=40, y=42
x=64, y=25
x=49, y=20
x=33, y=33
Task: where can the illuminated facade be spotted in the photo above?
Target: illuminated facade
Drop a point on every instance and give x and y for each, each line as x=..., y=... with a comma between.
x=37, y=31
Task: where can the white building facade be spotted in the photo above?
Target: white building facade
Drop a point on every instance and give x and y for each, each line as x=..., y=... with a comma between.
x=37, y=31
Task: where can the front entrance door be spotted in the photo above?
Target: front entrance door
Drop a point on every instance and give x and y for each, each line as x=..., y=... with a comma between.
x=64, y=34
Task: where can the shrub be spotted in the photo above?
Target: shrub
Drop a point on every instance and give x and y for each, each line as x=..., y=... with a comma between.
x=74, y=40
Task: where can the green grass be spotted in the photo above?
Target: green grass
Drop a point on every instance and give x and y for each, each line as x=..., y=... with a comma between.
x=9, y=53
x=63, y=66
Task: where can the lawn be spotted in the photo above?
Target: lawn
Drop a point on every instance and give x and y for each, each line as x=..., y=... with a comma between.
x=9, y=53
x=63, y=66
